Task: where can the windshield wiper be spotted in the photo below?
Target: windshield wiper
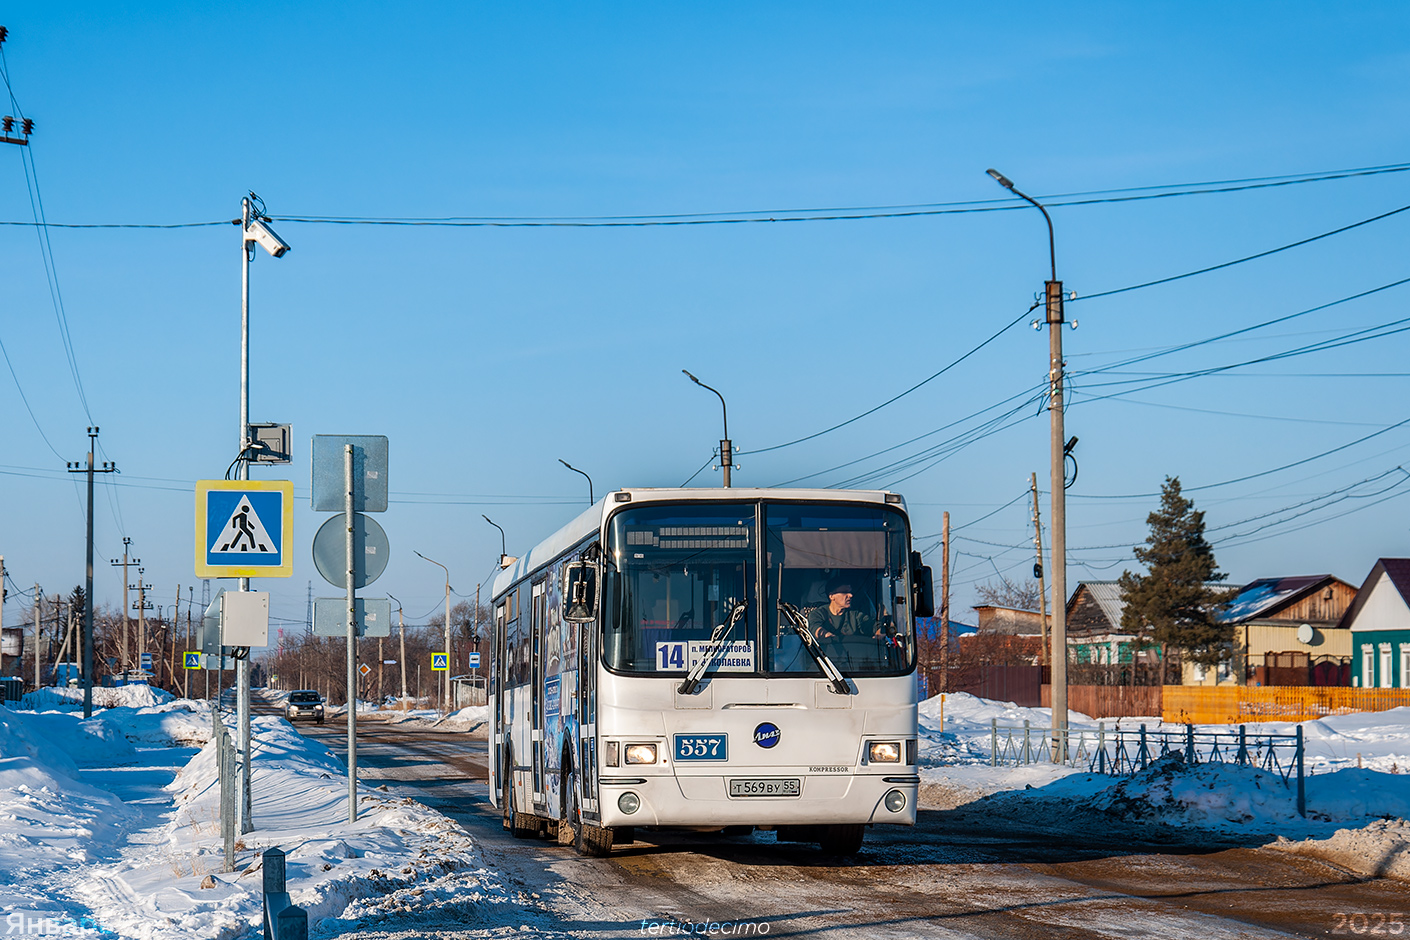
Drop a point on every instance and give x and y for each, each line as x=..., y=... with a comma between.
x=691, y=683
x=829, y=668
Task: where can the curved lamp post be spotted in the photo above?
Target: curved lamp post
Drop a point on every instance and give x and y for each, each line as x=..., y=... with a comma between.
x=575, y=470
x=1052, y=291
x=448, y=651
x=726, y=446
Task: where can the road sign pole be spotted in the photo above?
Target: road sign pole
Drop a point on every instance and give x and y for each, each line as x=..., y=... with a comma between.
x=350, y=518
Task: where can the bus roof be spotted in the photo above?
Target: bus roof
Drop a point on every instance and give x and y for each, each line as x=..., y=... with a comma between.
x=590, y=521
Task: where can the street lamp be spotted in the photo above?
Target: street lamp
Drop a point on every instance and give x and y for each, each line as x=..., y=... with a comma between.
x=726, y=445
x=448, y=656
x=254, y=231
x=401, y=619
x=576, y=470
x=1052, y=292
x=505, y=559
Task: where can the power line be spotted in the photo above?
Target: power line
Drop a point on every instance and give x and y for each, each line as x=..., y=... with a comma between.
x=1253, y=257
x=825, y=214
x=897, y=398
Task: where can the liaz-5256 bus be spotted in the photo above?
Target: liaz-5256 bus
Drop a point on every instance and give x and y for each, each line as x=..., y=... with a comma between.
x=710, y=659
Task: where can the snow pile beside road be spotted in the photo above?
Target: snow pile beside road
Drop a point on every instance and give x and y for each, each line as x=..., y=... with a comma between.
x=179, y=723
x=50, y=820
x=1380, y=850
x=68, y=698
x=300, y=793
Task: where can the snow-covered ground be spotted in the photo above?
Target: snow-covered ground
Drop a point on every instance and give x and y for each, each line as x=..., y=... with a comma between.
x=111, y=826
x=1357, y=798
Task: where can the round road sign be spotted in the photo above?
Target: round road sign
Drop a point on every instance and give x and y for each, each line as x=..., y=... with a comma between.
x=330, y=554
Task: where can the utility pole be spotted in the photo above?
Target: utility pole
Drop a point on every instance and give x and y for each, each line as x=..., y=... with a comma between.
x=126, y=620
x=38, y=644
x=945, y=602
x=1057, y=452
x=726, y=445
x=1038, y=565
x=401, y=616
x=107, y=467
x=142, y=608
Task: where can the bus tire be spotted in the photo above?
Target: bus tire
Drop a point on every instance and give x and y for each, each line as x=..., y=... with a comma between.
x=594, y=841
x=513, y=820
x=841, y=840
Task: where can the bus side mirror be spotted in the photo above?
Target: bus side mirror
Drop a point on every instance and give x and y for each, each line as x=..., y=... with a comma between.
x=923, y=585
x=580, y=592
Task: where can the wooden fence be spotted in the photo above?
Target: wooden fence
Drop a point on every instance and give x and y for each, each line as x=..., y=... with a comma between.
x=1231, y=705
x=1110, y=701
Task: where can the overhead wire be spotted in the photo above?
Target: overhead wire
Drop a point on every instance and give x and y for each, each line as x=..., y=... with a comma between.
x=46, y=248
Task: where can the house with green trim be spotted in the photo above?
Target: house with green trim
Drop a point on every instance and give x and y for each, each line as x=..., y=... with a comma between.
x=1379, y=621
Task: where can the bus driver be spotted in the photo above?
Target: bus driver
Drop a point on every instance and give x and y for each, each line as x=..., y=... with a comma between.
x=837, y=618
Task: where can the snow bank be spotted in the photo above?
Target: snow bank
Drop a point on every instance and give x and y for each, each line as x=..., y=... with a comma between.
x=300, y=793
x=50, y=820
x=63, y=698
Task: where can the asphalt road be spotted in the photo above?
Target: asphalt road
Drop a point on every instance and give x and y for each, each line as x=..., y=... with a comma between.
x=957, y=873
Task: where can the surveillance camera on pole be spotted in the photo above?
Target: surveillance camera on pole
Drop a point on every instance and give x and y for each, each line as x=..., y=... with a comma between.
x=257, y=231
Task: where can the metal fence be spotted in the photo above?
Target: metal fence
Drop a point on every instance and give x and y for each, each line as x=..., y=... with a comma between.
x=227, y=769
x=1119, y=750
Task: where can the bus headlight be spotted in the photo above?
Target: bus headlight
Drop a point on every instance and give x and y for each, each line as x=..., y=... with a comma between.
x=895, y=800
x=641, y=754
x=885, y=752
x=629, y=802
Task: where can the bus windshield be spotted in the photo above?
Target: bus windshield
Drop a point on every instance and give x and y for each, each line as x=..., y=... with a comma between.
x=844, y=569
x=676, y=573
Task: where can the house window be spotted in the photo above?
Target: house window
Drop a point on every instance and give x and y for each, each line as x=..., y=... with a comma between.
x=1385, y=676
x=1405, y=665
x=1368, y=667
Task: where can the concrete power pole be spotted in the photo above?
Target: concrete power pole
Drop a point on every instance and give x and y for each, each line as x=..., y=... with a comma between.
x=107, y=467
x=126, y=620
x=38, y=645
x=945, y=602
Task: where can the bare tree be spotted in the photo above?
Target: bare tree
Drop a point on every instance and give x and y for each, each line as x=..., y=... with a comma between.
x=1005, y=593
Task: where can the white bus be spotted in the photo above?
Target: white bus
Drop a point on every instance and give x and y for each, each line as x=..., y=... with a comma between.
x=710, y=659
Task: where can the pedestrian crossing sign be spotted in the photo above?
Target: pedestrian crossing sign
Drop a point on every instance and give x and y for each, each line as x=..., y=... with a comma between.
x=244, y=528
x=191, y=660
x=440, y=662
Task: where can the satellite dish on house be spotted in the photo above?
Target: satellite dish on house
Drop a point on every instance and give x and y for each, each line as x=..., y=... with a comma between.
x=1304, y=633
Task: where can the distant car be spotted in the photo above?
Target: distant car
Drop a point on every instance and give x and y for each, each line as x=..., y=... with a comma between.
x=305, y=703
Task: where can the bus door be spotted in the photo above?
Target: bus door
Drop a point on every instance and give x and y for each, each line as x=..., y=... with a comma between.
x=496, y=701
x=587, y=717
x=537, y=609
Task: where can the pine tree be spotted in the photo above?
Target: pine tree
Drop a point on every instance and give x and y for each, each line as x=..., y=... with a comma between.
x=1173, y=604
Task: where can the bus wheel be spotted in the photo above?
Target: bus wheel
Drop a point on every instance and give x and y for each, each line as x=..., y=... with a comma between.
x=589, y=839
x=513, y=821
x=841, y=840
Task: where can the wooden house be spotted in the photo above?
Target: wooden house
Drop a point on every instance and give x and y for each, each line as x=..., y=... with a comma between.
x=1286, y=631
x=1378, y=624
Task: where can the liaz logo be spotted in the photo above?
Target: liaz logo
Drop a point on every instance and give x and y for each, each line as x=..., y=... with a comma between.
x=767, y=734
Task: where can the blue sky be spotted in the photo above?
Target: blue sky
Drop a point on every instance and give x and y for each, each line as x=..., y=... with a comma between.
x=485, y=354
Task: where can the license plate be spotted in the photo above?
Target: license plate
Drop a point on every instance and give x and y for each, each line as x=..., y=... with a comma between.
x=767, y=787
x=691, y=747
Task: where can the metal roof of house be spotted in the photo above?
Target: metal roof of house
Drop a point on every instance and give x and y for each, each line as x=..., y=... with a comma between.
x=1107, y=594
x=1260, y=598
x=1397, y=572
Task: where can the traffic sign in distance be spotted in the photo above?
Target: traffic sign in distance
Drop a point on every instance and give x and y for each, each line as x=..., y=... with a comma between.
x=244, y=528
x=191, y=660
x=440, y=662
x=364, y=669
x=373, y=615
x=474, y=660
x=330, y=550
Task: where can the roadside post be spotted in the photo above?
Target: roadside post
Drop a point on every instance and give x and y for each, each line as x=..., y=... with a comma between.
x=244, y=529
x=351, y=550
